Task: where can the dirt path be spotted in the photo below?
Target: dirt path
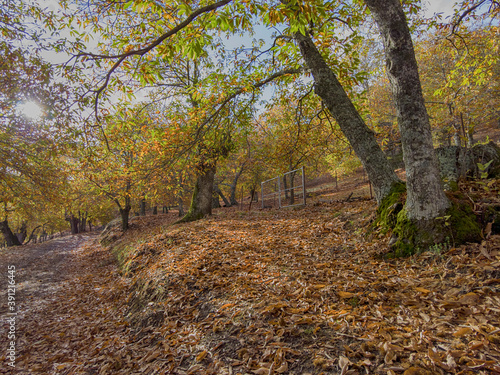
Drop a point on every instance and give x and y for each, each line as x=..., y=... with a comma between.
x=39, y=272
x=68, y=298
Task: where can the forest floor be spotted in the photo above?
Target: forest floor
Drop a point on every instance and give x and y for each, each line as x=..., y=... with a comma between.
x=294, y=291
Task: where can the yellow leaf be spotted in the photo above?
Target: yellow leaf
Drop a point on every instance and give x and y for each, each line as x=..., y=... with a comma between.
x=345, y=294
x=319, y=286
x=462, y=332
x=422, y=290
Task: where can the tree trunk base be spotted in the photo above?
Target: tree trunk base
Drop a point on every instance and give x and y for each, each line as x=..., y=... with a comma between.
x=458, y=225
x=190, y=216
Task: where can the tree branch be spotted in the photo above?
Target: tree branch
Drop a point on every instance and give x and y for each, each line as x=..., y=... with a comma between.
x=151, y=46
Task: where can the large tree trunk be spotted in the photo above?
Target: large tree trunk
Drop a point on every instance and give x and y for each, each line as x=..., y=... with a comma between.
x=180, y=207
x=425, y=196
x=32, y=235
x=10, y=238
x=22, y=232
x=82, y=221
x=361, y=138
x=125, y=210
x=201, y=202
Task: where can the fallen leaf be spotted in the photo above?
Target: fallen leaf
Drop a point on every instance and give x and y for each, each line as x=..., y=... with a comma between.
x=345, y=294
x=200, y=357
x=462, y=332
x=422, y=290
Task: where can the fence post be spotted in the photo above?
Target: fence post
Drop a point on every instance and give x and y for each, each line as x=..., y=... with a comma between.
x=262, y=193
x=279, y=192
x=304, y=184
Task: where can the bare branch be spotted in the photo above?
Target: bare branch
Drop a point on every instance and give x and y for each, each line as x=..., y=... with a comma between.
x=464, y=14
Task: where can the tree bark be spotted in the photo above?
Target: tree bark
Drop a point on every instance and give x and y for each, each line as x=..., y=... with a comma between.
x=215, y=200
x=32, y=235
x=124, y=212
x=180, y=207
x=82, y=222
x=73, y=222
x=10, y=238
x=125, y=209
x=22, y=232
x=361, y=138
x=201, y=202
x=143, y=207
x=221, y=194
x=425, y=196
x=233, y=186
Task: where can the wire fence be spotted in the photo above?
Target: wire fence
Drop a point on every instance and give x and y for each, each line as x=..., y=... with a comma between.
x=287, y=190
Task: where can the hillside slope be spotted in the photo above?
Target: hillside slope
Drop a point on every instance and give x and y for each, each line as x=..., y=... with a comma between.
x=306, y=291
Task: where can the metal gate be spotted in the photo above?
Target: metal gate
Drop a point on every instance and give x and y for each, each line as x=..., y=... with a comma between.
x=287, y=190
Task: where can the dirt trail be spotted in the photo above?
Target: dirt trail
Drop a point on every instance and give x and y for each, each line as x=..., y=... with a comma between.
x=40, y=270
x=67, y=298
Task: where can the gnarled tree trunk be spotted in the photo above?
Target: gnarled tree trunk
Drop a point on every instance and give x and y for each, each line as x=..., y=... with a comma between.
x=233, y=186
x=361, y=138
x=425, y=196
x=124, y=213
x=22, y=232
x=143, y=207
x=201, y=202
x=73, y=222
x=10, y=238
x=218, y=191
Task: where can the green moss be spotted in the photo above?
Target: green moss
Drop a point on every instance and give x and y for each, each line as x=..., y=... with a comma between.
x=390, y=207
x=457, y=226
x=462, y=223
x=450, y=185
x=406, y=232
x=193, y=213
x=122, y=254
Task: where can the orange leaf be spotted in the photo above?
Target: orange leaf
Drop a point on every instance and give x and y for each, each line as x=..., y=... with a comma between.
x=201, y=356
x=422, y=290
x=462, y=332
x=227, y=305
x=345, y=294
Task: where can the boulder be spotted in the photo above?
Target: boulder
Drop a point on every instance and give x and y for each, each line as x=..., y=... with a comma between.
x=458, y=161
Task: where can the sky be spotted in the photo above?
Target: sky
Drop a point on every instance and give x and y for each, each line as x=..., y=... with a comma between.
x=437, y=6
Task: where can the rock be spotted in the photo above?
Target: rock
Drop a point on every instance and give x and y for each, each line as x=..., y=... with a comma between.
x=455, y=161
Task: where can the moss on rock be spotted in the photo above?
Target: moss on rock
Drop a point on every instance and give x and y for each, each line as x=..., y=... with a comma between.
x=463, y=224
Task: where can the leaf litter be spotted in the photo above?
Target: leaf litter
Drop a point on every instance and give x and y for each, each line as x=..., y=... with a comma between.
x=301, y=291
